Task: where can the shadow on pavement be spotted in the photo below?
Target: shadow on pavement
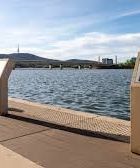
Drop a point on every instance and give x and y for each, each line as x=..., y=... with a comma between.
x=96, y=134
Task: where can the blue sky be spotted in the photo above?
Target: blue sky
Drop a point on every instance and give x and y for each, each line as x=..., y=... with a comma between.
x=66, y=29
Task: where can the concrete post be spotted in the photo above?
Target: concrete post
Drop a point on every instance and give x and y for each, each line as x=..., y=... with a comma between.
x=79, y=67
x=50, y=66
x=135, y=108
x=6, y=67
x=90, y=66
x=61, y=66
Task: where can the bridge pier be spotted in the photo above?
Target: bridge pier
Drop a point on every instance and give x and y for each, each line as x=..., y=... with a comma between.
x=61, y=66
x=50, y=66
x=79, y=66
x=90, y=66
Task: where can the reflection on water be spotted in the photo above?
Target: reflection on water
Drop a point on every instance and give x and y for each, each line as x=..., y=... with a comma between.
x=104, y=92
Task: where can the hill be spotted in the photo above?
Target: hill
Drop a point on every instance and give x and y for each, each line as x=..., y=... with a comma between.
x=25, y=57
x=25, y=60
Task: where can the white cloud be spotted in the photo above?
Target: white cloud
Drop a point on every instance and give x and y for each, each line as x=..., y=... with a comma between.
x=130, y=13
x=116, y=15
x=91, y=45
x=87, y=46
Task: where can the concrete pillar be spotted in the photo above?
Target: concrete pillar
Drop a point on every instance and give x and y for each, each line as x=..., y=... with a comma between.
x=90, y=66
x=79, y=66
x=116, y=60
x=6, y=67
x=61, y=66
x=135, y=108
x=99, y=60
x=50, y=66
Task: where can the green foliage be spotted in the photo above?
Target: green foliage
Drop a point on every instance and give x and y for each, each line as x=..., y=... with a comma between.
x=129, y=64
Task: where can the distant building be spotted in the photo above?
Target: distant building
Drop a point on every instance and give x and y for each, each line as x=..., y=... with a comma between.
x=116, y=59
x=107, y=61
x=18, y=49
x=99, y=60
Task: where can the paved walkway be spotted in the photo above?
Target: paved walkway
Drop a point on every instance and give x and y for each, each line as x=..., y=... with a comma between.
x=74, y=120
x=10, y=159
x=28, y=131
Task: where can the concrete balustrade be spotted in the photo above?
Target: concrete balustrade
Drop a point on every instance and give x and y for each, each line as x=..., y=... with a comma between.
x=6, y=67
x=135, y=108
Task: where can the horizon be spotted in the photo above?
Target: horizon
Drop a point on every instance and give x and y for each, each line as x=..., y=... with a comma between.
x=77, y=30
x=114, y=59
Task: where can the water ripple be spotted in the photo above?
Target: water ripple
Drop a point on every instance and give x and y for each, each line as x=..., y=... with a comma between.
x=104, y=92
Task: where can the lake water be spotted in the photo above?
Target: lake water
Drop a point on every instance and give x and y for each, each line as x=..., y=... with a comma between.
x=103, y=92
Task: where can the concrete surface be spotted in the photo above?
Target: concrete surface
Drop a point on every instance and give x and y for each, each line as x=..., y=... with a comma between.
x=135, y=108
x=61, y=149
x=6, y=67
x=10, y=159
x=46, y=145
x=75, y=121
x=28, y=132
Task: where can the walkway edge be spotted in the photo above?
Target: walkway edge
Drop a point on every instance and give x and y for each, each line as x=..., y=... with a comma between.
x=71, y=120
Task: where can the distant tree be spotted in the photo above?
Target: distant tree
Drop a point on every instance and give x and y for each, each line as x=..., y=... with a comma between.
x=128, y=64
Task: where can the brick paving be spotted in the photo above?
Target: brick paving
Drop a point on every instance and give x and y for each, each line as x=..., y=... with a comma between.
x=106, y=126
